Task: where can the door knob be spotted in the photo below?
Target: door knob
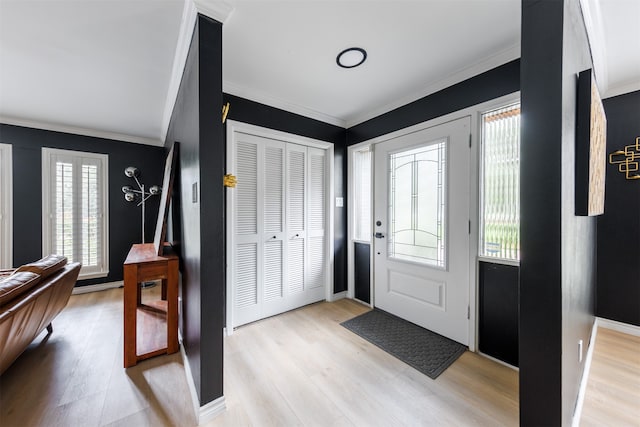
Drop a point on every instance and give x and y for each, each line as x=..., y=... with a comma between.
x=379, y=236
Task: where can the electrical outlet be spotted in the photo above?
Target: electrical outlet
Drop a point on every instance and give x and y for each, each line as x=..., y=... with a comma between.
x=580, y=351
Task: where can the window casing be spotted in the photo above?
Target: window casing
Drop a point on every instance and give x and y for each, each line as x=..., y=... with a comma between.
x=500, y=184
x=362, y=195
x=75, y=209
x=6, y=207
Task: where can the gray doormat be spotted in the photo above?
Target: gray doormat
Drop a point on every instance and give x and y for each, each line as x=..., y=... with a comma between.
x=420, y=348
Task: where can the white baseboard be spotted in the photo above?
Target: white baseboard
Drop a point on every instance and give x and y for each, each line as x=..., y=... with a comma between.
x=625, y=328
x=211, y=410
x=339, y=295
x=96, y=288
x=575, y=422
x=205, y=413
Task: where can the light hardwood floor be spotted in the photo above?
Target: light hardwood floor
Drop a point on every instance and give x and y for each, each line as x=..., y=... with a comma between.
x=299, y=368
x=613, y=391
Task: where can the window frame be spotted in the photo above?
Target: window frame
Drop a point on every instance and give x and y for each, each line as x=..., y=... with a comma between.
x=481, y=169
x=6, y=200
x=352, y=191
x=48, y=189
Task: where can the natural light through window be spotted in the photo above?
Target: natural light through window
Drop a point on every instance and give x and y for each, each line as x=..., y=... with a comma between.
x=362, y=195
x=417, y=204
x=75, y=208
x=500, y=228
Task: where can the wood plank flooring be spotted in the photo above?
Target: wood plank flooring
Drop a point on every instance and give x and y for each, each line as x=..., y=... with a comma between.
x=299, y=368
x=612, y=397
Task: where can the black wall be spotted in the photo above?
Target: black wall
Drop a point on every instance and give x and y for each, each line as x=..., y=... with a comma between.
x=362, y=271
x=246, y=111
x=618, y=290
x=557, y=266
x=201, y=229
x=492, y=84
x=124, y=217
x=498, y=311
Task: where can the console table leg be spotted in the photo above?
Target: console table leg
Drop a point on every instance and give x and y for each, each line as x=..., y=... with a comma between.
x=131, y=301
x=172, y=305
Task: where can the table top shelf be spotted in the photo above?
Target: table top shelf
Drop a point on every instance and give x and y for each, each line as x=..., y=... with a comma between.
x=150, y=327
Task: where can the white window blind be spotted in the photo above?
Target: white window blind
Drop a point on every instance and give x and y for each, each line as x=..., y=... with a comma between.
x=500, y=228
x=362, y=195
x=6, y=209
x=75, y=209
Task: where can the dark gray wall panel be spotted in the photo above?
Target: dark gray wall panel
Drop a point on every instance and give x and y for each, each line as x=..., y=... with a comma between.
x=124, y=217
x=201, y=241
x=362, y=271
x=557, y=267
x=498, y=311
x=184, y=128
x=492, y=84
x=618, y=290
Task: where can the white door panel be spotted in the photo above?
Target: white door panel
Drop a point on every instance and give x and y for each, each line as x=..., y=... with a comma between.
x=421, y=187
x=278, y=243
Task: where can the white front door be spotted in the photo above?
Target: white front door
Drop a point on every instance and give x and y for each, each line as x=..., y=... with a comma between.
x=421, y=225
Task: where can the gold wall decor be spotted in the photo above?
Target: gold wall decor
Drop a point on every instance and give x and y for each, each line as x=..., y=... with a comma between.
x=229, y=181
x=628, y=160
x=225, y=112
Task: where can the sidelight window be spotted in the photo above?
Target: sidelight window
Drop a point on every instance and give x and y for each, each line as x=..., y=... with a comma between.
x=500, y=183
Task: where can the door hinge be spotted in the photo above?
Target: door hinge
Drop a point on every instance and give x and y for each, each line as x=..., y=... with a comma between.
x=469, y=226
x=468, y=312
x=469, y=140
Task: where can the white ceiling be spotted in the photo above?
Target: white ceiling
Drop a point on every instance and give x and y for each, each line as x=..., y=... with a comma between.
x=106, y=67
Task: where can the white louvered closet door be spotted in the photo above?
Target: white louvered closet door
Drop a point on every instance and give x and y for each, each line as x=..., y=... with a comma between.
x=279, y=255
x=246, y=304
x=273, y=220
x=296, y=209
x=316, y=207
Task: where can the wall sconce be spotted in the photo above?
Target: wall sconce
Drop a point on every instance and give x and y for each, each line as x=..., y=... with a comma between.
x=132, y=195
x=628, y=160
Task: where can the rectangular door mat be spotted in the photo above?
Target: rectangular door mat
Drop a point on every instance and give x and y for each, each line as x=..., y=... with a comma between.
x=420, y=348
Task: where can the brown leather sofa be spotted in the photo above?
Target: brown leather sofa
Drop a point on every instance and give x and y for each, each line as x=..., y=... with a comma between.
x=30, y=298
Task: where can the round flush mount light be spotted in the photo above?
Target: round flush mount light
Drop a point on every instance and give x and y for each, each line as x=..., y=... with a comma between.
x=351, y=58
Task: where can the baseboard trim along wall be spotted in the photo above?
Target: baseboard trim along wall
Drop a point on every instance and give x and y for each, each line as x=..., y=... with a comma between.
x=96, y=288
x=339, y=295
x=205, y=413
x=211, y=410
x=625, y=328
x=577, y=413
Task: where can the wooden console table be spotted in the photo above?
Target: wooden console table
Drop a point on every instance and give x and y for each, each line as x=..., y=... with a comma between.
x=150, y=329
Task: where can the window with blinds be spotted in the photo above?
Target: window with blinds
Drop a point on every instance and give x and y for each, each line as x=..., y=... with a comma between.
x=6, y=209
x=500, y=187
x=362, y=195
x=75, y=208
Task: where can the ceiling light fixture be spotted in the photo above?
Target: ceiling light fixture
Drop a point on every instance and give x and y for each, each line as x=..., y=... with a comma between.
x=351, y=58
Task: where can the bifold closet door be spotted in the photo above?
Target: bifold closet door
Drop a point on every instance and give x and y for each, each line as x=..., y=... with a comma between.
x=279, y=254
x=259, y=251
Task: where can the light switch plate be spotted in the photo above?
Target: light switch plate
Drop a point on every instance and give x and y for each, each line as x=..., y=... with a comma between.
x=339, y=202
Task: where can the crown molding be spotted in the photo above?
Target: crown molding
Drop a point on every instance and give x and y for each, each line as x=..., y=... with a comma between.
x=462, y=74
x=592, y=17
x=187, y=25
x=219, y=10
x=264, y=98
x=80, y=131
